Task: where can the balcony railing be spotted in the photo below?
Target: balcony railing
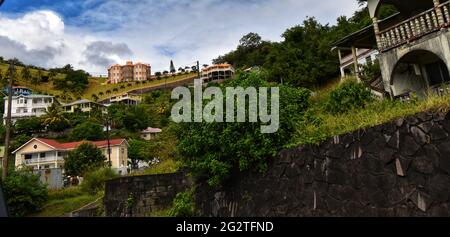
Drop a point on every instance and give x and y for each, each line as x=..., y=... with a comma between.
x=415, y=27
x=43, y=160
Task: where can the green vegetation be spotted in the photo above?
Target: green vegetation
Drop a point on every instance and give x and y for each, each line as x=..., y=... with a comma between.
x=24, y=193
x=320, y=124
x=164, y=167
x=88, y=130
x=183, y=204
x=62, y=202
x=68, y=85
x=350, y=95
x=86, y=157
x=213, y=151
x=94, y=181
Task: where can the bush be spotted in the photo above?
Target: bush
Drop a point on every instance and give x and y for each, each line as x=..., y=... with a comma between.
x=88, y=131
x=348, y=96
x=24, y=193
x=28, y=126
x=183, y=204
x=213, y=151
x=85, y=158
x=94, y=181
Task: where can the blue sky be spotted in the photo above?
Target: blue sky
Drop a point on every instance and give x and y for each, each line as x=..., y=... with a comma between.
x=91, y=34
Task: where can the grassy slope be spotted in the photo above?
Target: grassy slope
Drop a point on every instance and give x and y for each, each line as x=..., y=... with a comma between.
x=62, y=202
x=375, y=113
x=95, y=84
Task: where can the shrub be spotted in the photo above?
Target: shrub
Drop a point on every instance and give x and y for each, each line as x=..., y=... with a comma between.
x=214, y=150
x=83, y=159
x=88, y=131
x=94, y=181
x=348, y=96
x=28, y=126
x=24, y=193
x=183, y=204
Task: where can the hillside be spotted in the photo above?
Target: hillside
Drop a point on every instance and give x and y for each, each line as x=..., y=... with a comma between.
x=95, y=86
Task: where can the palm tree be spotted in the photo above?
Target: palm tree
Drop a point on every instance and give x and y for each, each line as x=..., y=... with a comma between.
x=26, y=75
x=101, y=93
x=108, y=92
x=54, y=116
x=115, y=90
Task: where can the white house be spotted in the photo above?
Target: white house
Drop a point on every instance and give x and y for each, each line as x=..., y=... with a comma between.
x=83, y=105
x=26, y=106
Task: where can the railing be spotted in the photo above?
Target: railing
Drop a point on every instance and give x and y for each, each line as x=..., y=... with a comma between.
x=415, y=27
x=42, y=160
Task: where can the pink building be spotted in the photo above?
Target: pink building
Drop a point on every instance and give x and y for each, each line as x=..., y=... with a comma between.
x=129, y=72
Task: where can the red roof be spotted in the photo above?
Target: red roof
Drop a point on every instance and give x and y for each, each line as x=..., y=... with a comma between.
x=73, y=145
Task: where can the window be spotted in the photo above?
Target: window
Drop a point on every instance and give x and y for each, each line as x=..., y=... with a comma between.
x=123, y=150
x=42, y=155
x=25, y=110
x=28, y=157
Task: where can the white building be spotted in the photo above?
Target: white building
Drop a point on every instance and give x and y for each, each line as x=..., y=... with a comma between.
x=28, y=106
x=217, y=72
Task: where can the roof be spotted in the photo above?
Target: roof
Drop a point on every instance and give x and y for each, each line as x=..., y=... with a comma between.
x=73, y=145
x=83, y=101
x=31, y=96
x=151, y=130
x=365, y=38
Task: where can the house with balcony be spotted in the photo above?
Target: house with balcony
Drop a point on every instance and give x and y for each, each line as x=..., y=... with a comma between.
x=26, y=106
x=218, y=72
x=84, y=106
x=413, y=46
x=126, y=99
x=45, y=154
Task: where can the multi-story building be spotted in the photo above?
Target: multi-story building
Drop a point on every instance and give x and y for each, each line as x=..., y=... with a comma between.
x=218, y=72
x=129, y=72
x=83, y=106
x=150, y=133
x=28, y=106
x=413, y=46
x=44, y=154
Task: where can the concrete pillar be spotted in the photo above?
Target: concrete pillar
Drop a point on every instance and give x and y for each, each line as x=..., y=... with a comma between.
x=340, y=62
x=439, y=14
x=355, y=62
x=376, y=28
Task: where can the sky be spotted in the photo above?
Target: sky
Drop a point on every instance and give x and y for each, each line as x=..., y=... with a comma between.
x=95, y=34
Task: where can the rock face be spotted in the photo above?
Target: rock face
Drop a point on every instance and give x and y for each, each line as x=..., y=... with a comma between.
x=396, y=169
x=142, y=195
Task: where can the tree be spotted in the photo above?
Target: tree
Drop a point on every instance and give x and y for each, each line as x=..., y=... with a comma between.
x=28, y=126
x=172, y=67
x=88, y=130
x=214, y=151
x=115, y=90
x=24, y=193
x=94, y=97
x=101, y=93
x=108, y=92
x=26, y=75
x=75, y=81
x=52, y=74
x=138, y=151
x=54, y=119
x=84, y=158
x=250, y=40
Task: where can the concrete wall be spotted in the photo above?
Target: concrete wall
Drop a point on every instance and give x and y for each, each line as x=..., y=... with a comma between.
x=401, y=168
x=141, y=195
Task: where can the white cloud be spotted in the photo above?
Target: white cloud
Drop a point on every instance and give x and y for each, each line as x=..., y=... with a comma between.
x=157, y=31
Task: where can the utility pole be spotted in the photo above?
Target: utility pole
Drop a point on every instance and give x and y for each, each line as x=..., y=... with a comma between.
x=8, y=122
x=109, y=143
x=198, y=69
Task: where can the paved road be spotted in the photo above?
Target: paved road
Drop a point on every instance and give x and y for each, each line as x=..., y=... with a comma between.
x=3, y=212
x=170, y=85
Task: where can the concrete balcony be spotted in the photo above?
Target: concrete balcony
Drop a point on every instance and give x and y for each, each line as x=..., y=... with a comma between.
x=415, y=27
